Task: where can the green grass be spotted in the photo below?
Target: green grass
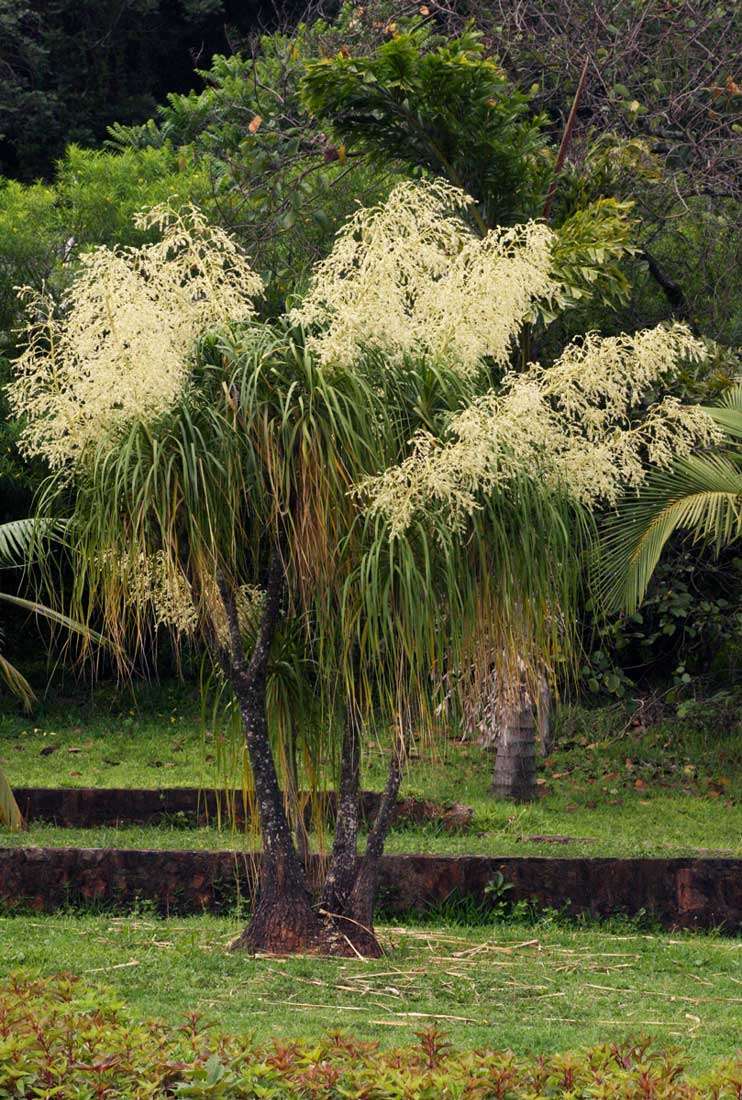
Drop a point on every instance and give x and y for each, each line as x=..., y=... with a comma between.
x=611, y=787
x=533, y=988
x=112, y=739
x=665, y=827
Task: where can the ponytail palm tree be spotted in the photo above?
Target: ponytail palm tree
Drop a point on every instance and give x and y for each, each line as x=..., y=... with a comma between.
x=343, y=475
x=700, y=494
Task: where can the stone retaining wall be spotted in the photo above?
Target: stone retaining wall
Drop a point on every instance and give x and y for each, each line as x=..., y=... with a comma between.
x=86, y=807
x=687, y=893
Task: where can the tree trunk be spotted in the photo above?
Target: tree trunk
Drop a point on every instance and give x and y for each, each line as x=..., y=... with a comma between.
x=544, y=717
x=284, y=920
x=294, y=811
x=363, y=895
x=349, y=893
x=673, y=291
x=515, y=763
x=341, y=872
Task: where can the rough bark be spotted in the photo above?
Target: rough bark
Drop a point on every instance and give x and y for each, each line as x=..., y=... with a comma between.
x=292, y=800
x=350, y=888
x=544, y=717
x=363, y=895
x=515, y=764
x=284, y=920
x=341, y=871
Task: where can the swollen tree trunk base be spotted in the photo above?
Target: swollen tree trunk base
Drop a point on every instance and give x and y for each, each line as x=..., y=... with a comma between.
x=285, y=922
x=281, y=927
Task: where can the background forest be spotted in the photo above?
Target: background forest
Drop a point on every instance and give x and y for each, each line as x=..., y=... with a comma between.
x=106, y=109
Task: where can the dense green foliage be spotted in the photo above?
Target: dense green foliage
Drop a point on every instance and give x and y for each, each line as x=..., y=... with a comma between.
x=281, y=185
x=687, y=631
x=443, y=105
x=55, y=1033
x=91, y=201
x=664, y=78
x=72, y=68
x=288, y=134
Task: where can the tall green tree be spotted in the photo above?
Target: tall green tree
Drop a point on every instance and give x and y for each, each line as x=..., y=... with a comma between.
x=663, y=77
x=345, y=474
x=442, y=105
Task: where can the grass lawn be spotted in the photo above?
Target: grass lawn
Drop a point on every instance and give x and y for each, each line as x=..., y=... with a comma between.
x=612, y=787
x=533, y=988
x=665, y=827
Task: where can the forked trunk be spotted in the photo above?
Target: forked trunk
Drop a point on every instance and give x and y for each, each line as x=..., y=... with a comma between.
x=284, y=920
x=363, y=896
x=349, y=893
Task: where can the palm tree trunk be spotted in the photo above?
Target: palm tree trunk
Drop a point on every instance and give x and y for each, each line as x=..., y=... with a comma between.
x=515, y=760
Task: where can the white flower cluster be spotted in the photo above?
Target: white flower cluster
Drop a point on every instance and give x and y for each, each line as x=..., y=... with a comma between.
x=156, y=585
x=149, y=582
x=577, y=425
x=408, y=278
x=119, y=348
x=250, y=599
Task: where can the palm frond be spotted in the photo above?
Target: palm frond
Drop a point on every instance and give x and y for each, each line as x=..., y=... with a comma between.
x=728, y=413
x=16, y=683
x=701, y=494
x=20, y=538
x=53, y=616
x=15, y=540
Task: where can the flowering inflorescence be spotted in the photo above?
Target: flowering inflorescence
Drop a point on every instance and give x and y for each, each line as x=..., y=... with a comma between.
x=120, y=346
x=408, y=278
x=153, y=583
x=571, y=425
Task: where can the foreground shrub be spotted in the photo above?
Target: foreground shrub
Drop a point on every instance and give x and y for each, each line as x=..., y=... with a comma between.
x=61, y=1039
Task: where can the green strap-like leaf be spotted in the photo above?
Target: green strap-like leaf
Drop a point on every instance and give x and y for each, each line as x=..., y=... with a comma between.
x=10, y=814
